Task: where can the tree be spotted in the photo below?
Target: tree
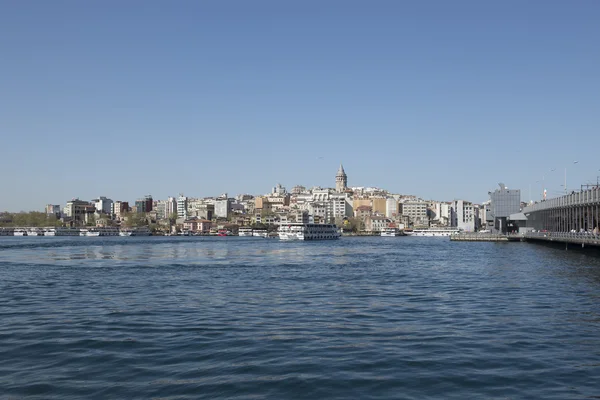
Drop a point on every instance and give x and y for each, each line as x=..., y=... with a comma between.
x=354, y=224
x=91, y=220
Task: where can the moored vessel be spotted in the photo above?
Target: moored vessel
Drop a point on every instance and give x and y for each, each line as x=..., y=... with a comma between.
x=260, y=233
x=300, y=231
x=245, y=231
x=390, y=232
x=439, y=232
x=140, y=231
x=35, y=232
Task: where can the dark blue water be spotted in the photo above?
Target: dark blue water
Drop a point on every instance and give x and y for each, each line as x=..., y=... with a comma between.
x=366, y=318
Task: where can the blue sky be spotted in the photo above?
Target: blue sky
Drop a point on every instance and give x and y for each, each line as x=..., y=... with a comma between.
x=438, y=99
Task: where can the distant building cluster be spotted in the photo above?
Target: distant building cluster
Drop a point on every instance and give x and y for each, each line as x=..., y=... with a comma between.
x=361, y=209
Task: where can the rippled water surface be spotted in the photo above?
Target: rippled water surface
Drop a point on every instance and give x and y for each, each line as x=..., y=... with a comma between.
x=249, y=318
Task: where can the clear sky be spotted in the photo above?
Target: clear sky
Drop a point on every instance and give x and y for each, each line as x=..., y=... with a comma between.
x=441, y=99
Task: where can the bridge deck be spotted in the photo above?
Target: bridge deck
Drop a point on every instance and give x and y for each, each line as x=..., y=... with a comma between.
x=584, y=239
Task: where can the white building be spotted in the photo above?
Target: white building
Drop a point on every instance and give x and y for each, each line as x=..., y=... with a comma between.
x=165, y=208
x=391, y=207
x=376, y=223
x=222, y=207
x=416, y=211
x=462, y=215
x=182, y=207
x=279, y=190
x=103, y=205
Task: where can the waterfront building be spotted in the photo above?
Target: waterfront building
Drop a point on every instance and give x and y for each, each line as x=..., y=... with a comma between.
x=197, y=225
x=376, y=223
x=416, y=211
x=503, y=203
x=77, y=209
x=462, y=215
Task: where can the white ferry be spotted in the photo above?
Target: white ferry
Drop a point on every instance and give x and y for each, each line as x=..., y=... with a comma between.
x=299, y=231
x=245, y=231
x=141, y=231
x=436, y=232
x=49, y=231
x=390, y=232
x=100, y=231
x=260, y=233
x=105, y=231
x=66, y=232
x=20, y=232
x=35, y=232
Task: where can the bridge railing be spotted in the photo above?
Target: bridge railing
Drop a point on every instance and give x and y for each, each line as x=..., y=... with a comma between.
x=578, y=236
x=586, y=197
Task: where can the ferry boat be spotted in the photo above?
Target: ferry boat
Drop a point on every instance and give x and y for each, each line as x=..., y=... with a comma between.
x=245, y=231
x=106, y=231
x=140, y=231
x=35, y=232
x=65, y=232
x=299, y=231
x=440, y=232
x=390, y=232
x=20, y=232
x=260, y=233
x=100, y=231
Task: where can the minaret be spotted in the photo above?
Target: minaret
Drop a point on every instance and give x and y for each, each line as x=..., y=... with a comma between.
x=340, y=180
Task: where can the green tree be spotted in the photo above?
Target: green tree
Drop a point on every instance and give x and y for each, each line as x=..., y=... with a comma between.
x=91, y=220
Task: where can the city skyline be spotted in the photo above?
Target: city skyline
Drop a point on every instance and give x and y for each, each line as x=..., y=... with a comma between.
x=435, y=100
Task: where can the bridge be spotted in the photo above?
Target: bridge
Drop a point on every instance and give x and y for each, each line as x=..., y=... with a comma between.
x=573, y=218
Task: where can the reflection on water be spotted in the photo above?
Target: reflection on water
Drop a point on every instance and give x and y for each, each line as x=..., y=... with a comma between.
x=255, y=318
